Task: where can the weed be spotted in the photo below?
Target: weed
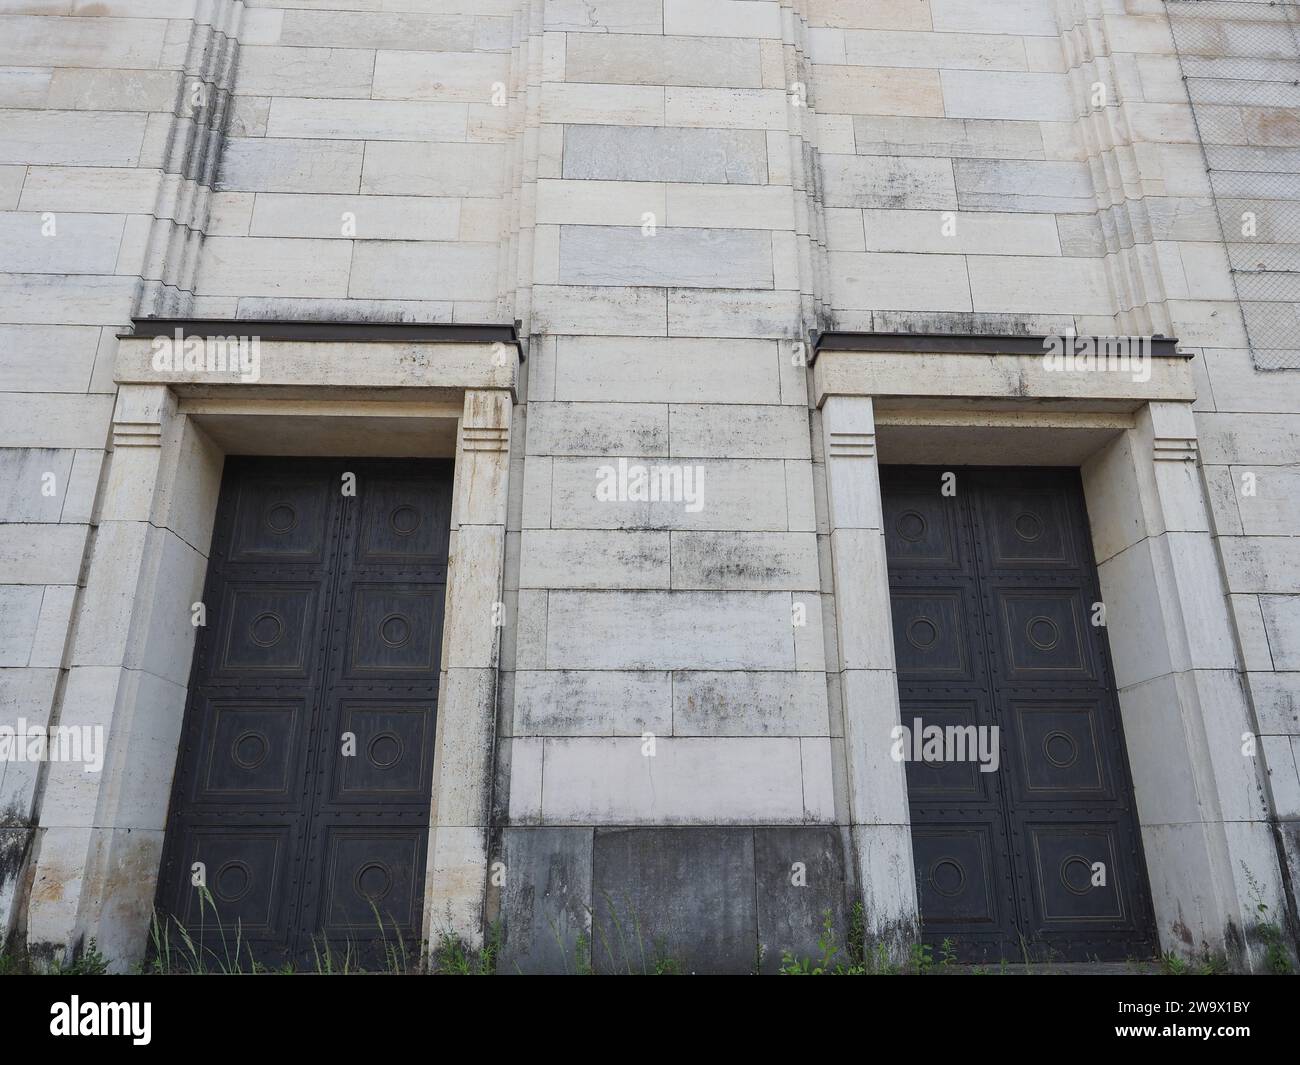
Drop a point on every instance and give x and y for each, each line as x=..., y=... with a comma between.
x=826, y=965
x=17, y=960
x=1277, y=957
x=454, y=957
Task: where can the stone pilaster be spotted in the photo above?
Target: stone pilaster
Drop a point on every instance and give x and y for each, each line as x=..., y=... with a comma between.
x=877, y=785
x=456, y=878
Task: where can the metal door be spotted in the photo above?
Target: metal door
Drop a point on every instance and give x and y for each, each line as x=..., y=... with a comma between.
x=302, y=789
x=997, y=622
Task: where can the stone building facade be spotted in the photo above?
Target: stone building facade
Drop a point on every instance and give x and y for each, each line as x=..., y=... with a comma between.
x=771, y=249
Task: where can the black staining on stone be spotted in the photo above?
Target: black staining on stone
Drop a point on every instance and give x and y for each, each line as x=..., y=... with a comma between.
x=44, y=956
x=682, y=899
x=16, y=835
x=545, y=902
x=676, y=899
x=793, y=902
x=1234, y=946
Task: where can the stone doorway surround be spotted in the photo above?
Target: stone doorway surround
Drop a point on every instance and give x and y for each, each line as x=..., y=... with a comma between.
x=323, y=389
x=1203, y=806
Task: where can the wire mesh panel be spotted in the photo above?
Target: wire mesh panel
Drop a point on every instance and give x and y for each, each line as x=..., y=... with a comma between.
x=1240, y=60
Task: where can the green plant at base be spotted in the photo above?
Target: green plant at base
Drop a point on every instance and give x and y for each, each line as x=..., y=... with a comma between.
x=663, y=963
x=1172, y=965
x=18, y=961
x=1277, y=959
x=856, y=940
x=1205, y=964
x=89, y=962
x=921, y=960
x=631, y=944
x=453, y=957
x=947, y=956
x=826, y=964
x=582, y=955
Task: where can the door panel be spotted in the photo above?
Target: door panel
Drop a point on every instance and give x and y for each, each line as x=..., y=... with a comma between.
x=992, y=592
x=304, y=777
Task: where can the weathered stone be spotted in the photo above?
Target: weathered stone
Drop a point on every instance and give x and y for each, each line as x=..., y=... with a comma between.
x=676, y=899
x=799, y=886
x=631, y=153
x=547, y=900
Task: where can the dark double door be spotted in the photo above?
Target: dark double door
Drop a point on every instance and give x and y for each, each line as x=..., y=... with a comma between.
x=994, y=592
x=302, y=788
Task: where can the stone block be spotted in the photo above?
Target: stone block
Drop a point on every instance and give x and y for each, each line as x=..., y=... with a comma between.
x=563, y=558
x=546, y=903
x=258, y=164
x=743, y=780
x=699, y=258
x=594, y=702
x=720, y=312
x=685, y=894
x=753, y=561
x=676, y=370
x=268, y=266
x=465, y=77
x=604, y=16
x=379, y=120
x=891, y=182
x=750, y=703
x=597, y=429
x=74, y=138
x=883, y=90
x=601, y=203
x=636, y=59
x=422, y=270
x=650, y=153
x=41, y=554
x=20, y=611
x=670, y=630
x=725, y=494
x=424, y=218
x=393, y=168
x=304, y=72
x=799, y=884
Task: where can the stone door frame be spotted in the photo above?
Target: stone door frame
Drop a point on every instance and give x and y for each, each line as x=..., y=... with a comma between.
x=95, y=863
x=1202, y=805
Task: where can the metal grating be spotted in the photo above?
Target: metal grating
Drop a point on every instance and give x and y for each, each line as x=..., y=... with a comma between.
x=1240, y=60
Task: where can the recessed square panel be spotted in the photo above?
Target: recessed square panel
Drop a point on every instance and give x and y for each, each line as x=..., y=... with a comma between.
x=1075, y=874
x=1058, y=747
x=921, y=530
x=1044, y=635
x=251, y=751
x=372, y=874
x=280, y=519
x=267, y=629
x=245, y=870
x=404, y=521
x=930, y=636
x=392, y=745
x=956, y=774
x=954, y=873
x=1029, y=527
x=394, y=629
